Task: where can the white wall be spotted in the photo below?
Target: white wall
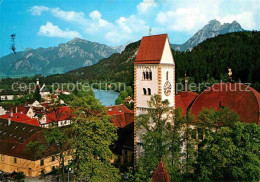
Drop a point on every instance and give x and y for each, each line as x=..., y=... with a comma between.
x=2, y=111
x=167, y=57
x=141, y=100
x=171, y=79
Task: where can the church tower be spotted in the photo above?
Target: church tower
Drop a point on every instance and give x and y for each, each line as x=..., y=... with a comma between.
x=154, y=73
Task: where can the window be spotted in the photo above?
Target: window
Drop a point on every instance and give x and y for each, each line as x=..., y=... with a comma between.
x=144, y=90
x=53, y=158
x=149, y=91
x=15, y=160
x=147, y=74
x=167, y=75
x=42, y=162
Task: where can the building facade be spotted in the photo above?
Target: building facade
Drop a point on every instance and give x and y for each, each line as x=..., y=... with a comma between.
x=154, y=73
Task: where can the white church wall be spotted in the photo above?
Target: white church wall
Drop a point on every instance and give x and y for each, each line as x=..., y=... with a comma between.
x=141, y=99
x=167, y=57
x=171, y=79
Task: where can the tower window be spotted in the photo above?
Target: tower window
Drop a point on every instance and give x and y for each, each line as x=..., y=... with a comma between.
x=149, y=91
x=144, y=90
x=147, y=74
x=41, y=162
x=167, y=75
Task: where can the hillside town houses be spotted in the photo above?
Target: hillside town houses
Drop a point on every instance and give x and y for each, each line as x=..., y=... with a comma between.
x=154, y=73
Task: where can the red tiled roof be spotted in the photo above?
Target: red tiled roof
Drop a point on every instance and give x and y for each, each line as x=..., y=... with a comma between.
x=184, y=99
x=21, y=118
x=121, y=115
x=15, y=137
x=151, y=49
x=60, y=114
x=238, y=97
x=21, y=109
x=160, y=174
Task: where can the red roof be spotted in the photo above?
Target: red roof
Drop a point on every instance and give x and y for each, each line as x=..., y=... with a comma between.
x=160, y=174
x=21, y=118
x=121, y=115
x=184, y=99
x=21, y=109
x=238, y=97
x=151, y=49
x=59, y=114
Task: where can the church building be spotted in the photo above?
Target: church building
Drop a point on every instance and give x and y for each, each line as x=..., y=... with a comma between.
x=154, y=73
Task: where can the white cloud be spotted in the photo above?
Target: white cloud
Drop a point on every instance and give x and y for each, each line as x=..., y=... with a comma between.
x=127, y=29
x=245, y=19
x=95, y=15
x=186, y=16
x=145, y=5
x=70, y=16
x=50, y=30
x=190, y=16
x=37, y=10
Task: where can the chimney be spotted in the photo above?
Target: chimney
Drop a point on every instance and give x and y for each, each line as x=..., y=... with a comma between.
x=9, y=121
x=12, y=114
x=37, y=81
x=16, y=110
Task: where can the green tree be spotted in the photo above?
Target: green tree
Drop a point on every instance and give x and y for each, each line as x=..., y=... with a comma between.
x=123, y=94
x=37, y=95
x=92, y=134
x=56, y=144
x=155, y=139
x=129, y=91
x=19, y=177
x=230, y=154
x=119, y=100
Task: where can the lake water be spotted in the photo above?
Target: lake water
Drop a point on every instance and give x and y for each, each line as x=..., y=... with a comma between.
x=106, y=97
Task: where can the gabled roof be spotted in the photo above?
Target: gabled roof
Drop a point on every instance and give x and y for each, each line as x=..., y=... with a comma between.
x=121, y=115
x=238, y=97
x=15, y=137
x=21, y=118
x=151, y=49
x=59, y=114
x=160, y=174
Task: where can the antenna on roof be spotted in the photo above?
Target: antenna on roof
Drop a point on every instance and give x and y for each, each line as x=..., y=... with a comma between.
x=150, y=31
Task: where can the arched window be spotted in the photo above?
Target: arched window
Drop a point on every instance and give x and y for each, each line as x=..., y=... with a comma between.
x=149, y=91
x=167, y=75
x=147, y=74
x=144, y=90
x=143, y=75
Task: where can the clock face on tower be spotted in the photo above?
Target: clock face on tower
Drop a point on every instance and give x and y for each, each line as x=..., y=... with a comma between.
x=167, y=88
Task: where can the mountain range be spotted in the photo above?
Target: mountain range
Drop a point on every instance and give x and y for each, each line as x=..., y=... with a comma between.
x=78, y=53
x=46, y=61
x=212, y=29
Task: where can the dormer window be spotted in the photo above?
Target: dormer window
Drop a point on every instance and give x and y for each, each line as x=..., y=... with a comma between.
x=147, y=74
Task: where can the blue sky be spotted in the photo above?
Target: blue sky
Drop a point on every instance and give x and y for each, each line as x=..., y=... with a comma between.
x=45, y=23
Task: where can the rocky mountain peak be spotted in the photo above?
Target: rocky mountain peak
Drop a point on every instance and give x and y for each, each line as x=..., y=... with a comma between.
x=212, y=29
